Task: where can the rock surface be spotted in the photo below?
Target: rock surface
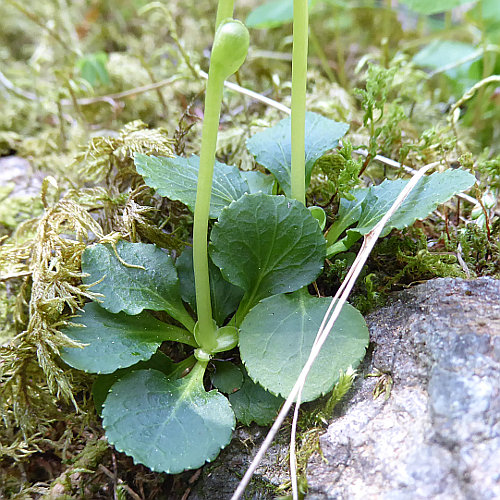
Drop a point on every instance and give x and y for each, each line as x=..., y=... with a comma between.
x=437, y=436
x=17, y=171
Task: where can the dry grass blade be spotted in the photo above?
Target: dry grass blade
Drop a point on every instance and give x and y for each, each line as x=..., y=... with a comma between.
x=330, y=317
x=253, y=95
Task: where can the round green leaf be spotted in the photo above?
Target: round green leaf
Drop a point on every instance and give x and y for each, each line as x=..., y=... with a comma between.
x=177, y=178
x=319, y=214
x=252, y=403
x=117, y=340
x=277, y=335
x=272, y=147
x=271, y=14
x=167, y=425
x=154, y=285
x=267, y=245
x=226, y=377
x=102, y=384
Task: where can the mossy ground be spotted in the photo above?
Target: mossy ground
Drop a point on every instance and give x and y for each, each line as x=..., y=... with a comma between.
x=84, y=85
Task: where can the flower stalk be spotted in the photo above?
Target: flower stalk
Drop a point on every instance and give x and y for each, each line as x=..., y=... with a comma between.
x=224, y=11
x=228, y=53
x=299, y=77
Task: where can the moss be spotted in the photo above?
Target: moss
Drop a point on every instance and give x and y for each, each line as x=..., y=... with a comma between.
x=15, y=209
x=7, y=306
x=68, y=482
x=480, y=251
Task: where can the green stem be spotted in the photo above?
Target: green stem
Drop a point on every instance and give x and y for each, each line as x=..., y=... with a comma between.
x=183, y=317
x=387, y=29
x=179, y=368
x=243, y=309
x=299, y=77
x=229, y=50
x=488, y=68
x=176, y=334
x=213, y=98
x=197, y=372
x=224, y=10
x=447, y=20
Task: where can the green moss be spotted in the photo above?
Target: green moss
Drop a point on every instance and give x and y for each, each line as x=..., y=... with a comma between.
x=480, y=251
x=334, y=175
x=7, y=307
x=67, y=484
x=15, y=209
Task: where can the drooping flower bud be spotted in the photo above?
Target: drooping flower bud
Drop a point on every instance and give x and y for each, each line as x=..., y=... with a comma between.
x=230, y=47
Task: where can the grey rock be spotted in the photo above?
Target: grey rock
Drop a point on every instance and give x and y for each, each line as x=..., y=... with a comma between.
x=438, y=434
x=18, y=172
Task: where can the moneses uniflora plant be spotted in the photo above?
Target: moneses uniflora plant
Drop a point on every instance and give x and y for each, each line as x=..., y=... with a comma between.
x=243, y=285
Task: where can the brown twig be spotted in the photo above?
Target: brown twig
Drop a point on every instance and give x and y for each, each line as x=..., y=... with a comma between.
x=127, y=488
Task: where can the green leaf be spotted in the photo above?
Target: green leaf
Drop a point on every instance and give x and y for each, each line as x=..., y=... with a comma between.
x=258, y=182
x=429, y=7
x=129, y=289
x=93, y=68
x=441, y=53
x=176, y=178
x=271, y=14
x=429, y=192
x=272, y=147
x=227, y=377
x=267, y=245
x=319, y=214
x=167, y=425
x=487, y=13
x=225, y=296
x=117, y=340
x=342, y=245
x=102, y=384
x=252, y=403
x=349, y=213
x=277, y=335
x=370, y=205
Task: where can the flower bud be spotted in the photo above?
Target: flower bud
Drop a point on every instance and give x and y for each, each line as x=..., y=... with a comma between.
x=230, y=47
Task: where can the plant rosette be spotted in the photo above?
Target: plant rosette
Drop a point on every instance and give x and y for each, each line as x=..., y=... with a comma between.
x=243, y=284
x=264, y=251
